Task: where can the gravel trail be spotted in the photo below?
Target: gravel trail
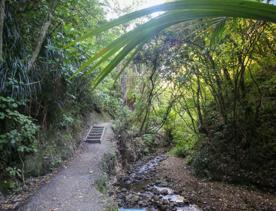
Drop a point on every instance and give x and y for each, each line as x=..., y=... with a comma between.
x=73, y=189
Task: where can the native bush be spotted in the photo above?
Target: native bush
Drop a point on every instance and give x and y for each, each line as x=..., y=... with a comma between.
x=17, y=139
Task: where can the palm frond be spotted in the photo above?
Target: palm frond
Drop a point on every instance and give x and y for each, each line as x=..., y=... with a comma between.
x=174, y=13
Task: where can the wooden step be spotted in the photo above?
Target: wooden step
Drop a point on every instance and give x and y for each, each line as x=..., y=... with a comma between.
x=93, y=141
x=95, y=135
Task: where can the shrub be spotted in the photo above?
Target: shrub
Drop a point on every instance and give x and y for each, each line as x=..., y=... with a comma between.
x=108, y=163
x=17, y=138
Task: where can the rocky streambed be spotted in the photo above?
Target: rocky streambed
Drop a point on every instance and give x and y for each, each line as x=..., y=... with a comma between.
x=140, y=188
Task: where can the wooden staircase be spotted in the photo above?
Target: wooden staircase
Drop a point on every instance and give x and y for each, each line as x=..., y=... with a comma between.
x=95, y=134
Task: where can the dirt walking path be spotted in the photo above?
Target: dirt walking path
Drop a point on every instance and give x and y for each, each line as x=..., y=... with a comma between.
x=73, y=189
x=212, y=195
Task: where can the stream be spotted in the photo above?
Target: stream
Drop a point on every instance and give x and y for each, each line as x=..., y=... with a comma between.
x=139, y=191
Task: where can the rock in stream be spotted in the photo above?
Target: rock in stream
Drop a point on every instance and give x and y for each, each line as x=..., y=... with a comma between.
x=138, y=190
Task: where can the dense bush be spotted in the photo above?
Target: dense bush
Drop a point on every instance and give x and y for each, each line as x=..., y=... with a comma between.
x=18, y=138
x=212, y=96
x=36, y=69
x=247, y=157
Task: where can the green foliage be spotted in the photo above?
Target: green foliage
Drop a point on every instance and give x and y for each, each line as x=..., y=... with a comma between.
x=18, y=132
x=149, y=138
x=17, y=139
x=149, y=142
x=66, y=121
x=247, y=159
x=183, y=147
x=11, y=182
x=108, y=164
x=125, y=120
x=101, y=184
x=111, y=208
x=59, y=105
x=106, y=102
x=180, y=135
x=174, y=13
x=207, y=86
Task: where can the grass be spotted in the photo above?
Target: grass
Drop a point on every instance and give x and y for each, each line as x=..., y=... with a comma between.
x=101, y=184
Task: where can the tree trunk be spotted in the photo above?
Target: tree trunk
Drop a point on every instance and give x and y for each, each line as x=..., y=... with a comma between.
x=124, y=88
x=150, y=96
x=2, y=17
x=43, y=33
x=40, y=41
x=198, y=106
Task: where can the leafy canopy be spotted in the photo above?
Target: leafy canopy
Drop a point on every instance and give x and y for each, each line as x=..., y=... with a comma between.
x=173, y=13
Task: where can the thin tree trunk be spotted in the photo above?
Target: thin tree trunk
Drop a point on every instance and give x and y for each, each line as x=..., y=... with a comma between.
x=150, y=96
x=43, y=33
x=2, y=17
x=242, y=75
x=124, y=88
x=149, y=102
x=187, y=109
x=168, y=111
x=40, y=41
x=198, y=106
x=227, y=77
